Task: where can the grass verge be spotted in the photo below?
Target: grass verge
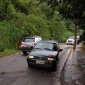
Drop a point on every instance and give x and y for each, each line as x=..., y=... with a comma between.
x=8, y=52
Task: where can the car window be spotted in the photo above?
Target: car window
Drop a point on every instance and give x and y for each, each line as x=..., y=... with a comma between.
x=38, y=39
x=29, y=40
x=71, y=38
x=44, y=45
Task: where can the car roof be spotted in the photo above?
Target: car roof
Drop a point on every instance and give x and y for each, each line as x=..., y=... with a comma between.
x=49, y=41
x=72, y=37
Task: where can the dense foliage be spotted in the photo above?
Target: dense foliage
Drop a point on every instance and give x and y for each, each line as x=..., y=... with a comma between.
x=71, y=9
x=74, y=10
x=31, y=17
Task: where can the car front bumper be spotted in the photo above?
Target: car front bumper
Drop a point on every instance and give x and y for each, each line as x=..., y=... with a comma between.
x=71, y=43
x=46, y=64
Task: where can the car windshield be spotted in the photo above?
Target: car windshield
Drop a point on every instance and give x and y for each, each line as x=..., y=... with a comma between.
x=71, y=38
x=44, y=45
x=29, y=40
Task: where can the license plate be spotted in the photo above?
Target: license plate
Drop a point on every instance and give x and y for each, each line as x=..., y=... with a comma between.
x=39, y=62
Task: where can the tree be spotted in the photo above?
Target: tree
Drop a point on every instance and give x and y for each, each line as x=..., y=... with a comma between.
x=31, y=17
x=74, y=10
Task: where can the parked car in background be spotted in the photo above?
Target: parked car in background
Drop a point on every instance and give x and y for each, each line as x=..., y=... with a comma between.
x=28, y=43
x=44, y=54
x=70, y=41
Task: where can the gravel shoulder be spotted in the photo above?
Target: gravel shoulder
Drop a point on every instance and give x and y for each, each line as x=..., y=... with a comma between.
x=74, y=71
x=81, y=62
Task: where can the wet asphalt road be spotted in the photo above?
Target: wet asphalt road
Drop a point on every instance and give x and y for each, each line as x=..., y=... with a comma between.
x=14, y=71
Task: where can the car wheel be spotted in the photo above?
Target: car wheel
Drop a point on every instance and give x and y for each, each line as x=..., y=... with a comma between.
x=57, y=57
x=30, y=66
x=25, y=52
x=54, y=66
x=54, y=69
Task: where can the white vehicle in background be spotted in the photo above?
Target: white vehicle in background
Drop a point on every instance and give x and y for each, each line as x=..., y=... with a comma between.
x=70, y=41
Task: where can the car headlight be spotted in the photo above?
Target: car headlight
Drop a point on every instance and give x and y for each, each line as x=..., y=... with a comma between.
x=30, y=56
x=51, y=59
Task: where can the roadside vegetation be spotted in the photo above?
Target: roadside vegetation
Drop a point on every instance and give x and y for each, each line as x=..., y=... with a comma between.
x=8, y=52
x=31, y=17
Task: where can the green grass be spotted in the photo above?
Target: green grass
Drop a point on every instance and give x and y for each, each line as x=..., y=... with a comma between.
x=8, y=52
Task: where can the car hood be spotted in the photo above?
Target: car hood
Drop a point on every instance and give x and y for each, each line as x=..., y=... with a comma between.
x=43, y=53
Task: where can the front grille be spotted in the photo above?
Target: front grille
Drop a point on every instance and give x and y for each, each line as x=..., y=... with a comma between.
x=40, y=57
x=69, y=41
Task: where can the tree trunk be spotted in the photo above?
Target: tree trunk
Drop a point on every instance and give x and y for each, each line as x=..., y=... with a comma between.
x=75, y=37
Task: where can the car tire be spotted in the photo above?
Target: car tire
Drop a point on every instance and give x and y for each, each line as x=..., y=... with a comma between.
x=54, y=66
x=30, y=66
x=57, y=58
x=25, y=52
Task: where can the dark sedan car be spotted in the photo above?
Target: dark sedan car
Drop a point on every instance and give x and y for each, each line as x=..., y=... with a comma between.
x=44, y=54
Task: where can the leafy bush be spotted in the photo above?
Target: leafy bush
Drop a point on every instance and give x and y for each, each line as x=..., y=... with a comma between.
x=29, y=17
x=8, y=52
x=9, y=34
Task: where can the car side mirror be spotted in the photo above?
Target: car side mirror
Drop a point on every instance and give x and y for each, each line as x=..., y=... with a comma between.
x=60, y=50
